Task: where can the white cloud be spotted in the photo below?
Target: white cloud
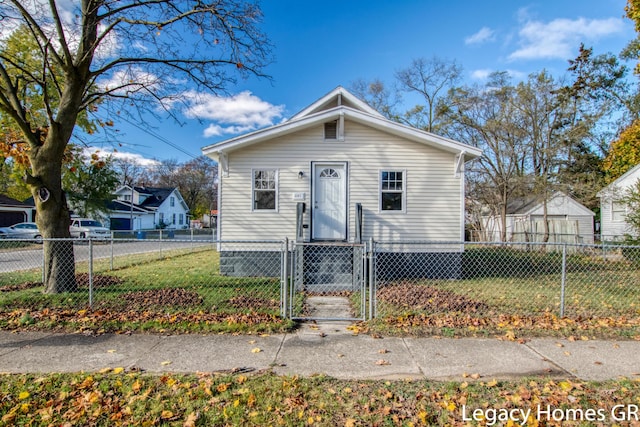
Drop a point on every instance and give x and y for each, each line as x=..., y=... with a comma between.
x=485, y=34
x=217, y=130
x=121, y=155
x=236, y=114
x=481, y=74
x=558, y=39
x=131, y=80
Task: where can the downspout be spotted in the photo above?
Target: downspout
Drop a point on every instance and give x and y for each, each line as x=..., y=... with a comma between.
x=459, y=173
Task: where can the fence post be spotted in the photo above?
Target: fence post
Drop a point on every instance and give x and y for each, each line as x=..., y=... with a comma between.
x=285, y=278
x=111, y=259
x=372, y=280
x=564, y=279
x=44, y=264
x=90, y=273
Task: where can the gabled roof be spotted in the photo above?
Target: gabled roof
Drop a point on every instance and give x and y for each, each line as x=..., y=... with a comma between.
x=337, y=97
x=9, y=201
x=156, y=196
x=527, y=205
x=345, y=106
x=618, y=181
x=123, y=206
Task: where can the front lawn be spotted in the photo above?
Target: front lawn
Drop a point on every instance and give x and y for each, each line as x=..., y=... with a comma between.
x=117, y=397
x=182, y=292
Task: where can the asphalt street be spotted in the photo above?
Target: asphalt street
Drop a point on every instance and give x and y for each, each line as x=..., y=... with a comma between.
x=12, y=260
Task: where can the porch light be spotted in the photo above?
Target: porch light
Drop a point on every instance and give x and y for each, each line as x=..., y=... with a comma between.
x=300, y=174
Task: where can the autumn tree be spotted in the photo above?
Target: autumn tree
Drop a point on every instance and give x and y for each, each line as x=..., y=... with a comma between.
x=141, y=52
x=195, y=179
x=89, y=182
x=483, y=116
x=377, y=95
x=429, y=79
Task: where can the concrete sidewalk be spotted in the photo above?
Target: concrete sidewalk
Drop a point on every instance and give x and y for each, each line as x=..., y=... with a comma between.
x=328, y=348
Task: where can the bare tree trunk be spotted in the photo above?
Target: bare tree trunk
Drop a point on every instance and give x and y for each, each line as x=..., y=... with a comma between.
x=503, y=218
x=53, y=221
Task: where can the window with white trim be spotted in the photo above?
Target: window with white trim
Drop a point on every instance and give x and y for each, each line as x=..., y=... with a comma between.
x=392, y=190
x=618, y=211
x=265, y=189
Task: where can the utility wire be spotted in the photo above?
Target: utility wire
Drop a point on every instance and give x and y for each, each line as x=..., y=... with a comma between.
x=160, y=138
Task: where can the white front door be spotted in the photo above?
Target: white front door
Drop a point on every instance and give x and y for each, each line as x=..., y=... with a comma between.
x=329, y=201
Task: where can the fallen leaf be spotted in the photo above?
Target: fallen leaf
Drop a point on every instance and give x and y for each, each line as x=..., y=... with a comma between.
x=567, y=353
x=492, y=383
x=256, y=350
x=118, y=370
x=382, y=362
x=111, y=351
x=190, y=421
x=559, y=344
x=166, y=363
x=475, y=376
x=383, y=351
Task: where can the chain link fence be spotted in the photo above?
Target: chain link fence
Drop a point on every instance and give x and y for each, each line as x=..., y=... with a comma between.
x=491, y=279
x=174, y=280
x=206, y=279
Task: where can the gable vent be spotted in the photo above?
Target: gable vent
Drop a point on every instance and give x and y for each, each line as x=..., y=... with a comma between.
x=331, y=130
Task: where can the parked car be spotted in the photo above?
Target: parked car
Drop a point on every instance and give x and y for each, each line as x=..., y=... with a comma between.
x=84, y=228
x=22, y=230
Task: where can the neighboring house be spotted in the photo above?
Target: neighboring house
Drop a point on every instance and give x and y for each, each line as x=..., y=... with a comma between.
x=13, y=211
x=569, y=221
x=332, y=156
x=613, y=211
x=144, y=208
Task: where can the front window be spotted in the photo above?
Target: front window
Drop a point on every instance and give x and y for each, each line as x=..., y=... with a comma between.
x=392, y=190
x=172, y=201
x=264, y=189
x=618, y=211
x=181, y=219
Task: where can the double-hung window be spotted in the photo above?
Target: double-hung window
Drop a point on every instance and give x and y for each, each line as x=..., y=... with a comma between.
x=618, y=211
x=392, y=190
x=265, y=189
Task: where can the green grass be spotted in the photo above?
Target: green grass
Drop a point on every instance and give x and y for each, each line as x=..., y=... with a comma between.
x=182, y=292
x=505, y=289
x=115, y=397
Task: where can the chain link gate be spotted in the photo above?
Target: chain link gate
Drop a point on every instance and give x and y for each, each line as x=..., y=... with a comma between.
x=336, y=270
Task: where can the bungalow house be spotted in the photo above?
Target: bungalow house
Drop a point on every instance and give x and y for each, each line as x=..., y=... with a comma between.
x=144, y=208
x=340, y=172
x=613, y=210
x=568, y=220
x=13, y=211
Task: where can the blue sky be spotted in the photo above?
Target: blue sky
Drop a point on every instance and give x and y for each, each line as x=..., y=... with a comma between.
x=319, y=45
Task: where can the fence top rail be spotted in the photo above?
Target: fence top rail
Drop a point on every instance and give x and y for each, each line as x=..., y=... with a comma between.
x=344, y=244
x=109, y=239
x=505, y=244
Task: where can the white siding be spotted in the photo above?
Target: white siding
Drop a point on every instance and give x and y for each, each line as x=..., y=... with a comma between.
x=610, y=229
x=433, y=198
